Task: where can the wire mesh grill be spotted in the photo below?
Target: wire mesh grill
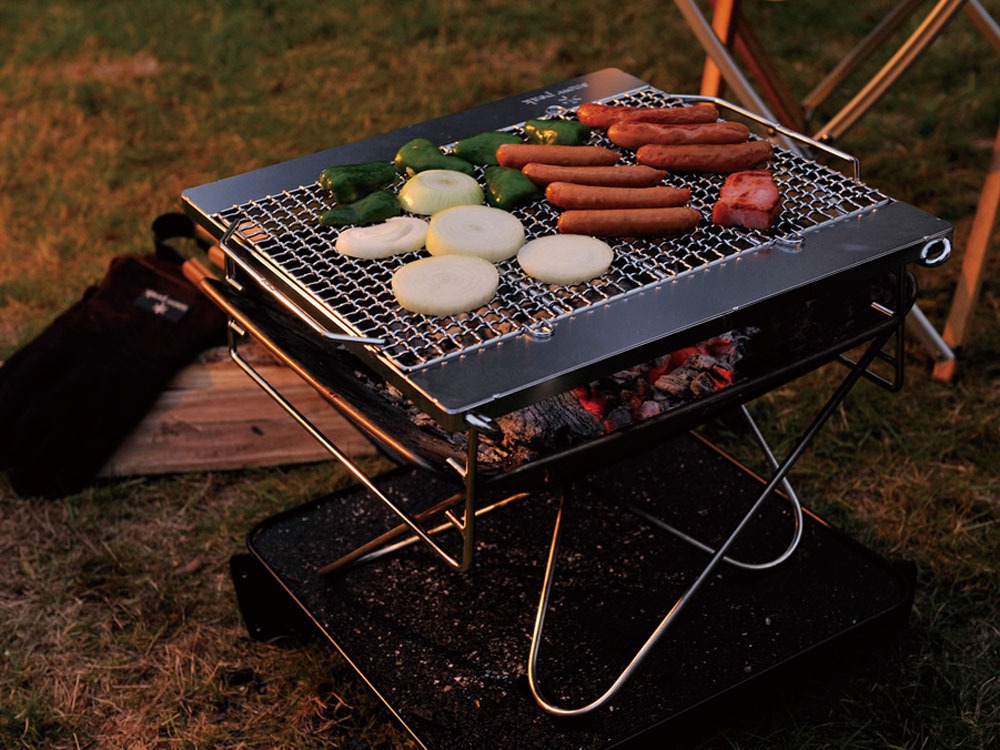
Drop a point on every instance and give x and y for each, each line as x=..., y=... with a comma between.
x=285, y=229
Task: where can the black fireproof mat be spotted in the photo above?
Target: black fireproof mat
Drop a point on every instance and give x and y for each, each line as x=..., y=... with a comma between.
x=447, y=651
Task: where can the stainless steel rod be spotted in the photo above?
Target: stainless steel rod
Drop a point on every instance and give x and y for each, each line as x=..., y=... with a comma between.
x=804, y=440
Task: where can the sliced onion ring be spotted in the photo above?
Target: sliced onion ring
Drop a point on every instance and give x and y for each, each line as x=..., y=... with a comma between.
x=432, y=190
x=565, y=258
x=400, y=234
x=445, y=284
x=483, y=231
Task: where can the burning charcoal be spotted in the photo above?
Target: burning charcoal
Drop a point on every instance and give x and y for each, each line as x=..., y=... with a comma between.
x=703, y=383
x=722, y=375
x=700, y=362
x=650, y=409
x=630, y=401
x=680, y=357
x=617, y=418
x=732, y=347
x=675, y=384
x=629, y=375
x=657, y=368
x=643, y=389
x=609, y=403
x=591, y=399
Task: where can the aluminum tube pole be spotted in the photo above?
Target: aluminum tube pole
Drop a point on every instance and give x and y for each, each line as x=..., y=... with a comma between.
x=905, y=56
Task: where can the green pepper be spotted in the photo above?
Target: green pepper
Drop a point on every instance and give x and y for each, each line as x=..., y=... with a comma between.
x=371, y=209
x=556, y=132
x=349, y=182
x=482, y=148
x=508, y=188
x=421, y=154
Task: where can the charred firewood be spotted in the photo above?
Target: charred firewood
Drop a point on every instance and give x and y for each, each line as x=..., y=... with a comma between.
x=551, y=424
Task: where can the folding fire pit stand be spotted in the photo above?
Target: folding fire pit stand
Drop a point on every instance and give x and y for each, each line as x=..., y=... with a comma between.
x=460, y=659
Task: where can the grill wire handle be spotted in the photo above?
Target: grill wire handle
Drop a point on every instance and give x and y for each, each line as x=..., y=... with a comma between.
x=340, y=338
x=856, y=372
x=786, y=137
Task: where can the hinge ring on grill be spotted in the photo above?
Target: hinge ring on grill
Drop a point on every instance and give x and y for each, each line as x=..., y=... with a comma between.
x=935, y=252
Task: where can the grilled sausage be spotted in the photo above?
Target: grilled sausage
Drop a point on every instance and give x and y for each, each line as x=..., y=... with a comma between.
x=602, y=116
x=568, y=195
x=700, y=157
x=516, y=155
x=633, y=133
x=629, y=222
x=624, y=175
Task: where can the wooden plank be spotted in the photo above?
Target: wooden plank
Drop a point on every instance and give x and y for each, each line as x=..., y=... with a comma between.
x=213, y=417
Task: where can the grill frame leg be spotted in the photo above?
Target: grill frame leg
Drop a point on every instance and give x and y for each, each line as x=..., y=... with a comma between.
x=856, y=371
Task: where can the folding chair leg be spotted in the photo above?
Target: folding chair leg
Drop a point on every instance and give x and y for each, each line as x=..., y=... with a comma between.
x=724, y=20
x=956, y=327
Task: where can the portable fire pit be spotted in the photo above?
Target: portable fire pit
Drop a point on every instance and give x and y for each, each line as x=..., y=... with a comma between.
x=611, y=529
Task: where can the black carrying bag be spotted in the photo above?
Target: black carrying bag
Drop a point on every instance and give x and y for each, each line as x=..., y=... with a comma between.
x=72, y=395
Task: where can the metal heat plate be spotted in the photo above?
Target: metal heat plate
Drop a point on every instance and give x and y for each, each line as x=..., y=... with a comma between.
x=447, y=653
x=536, y=340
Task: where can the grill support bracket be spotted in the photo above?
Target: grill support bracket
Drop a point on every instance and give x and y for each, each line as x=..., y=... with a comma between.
x=719, y=555
x=465, y=525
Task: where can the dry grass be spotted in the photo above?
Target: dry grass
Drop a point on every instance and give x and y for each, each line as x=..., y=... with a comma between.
x=114, y=639
x=118, y=622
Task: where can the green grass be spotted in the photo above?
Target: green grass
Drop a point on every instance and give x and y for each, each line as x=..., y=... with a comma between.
x=118, y=623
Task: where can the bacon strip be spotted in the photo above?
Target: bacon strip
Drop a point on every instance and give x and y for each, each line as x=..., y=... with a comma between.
x=748, y=199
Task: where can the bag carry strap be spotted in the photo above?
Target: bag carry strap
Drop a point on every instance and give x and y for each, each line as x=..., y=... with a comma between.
x=175, y=225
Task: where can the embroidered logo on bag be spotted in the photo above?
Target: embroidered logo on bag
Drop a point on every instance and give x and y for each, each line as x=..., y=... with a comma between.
x=162, y=305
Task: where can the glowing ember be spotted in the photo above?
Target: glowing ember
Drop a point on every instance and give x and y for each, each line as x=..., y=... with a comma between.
x=653, y=387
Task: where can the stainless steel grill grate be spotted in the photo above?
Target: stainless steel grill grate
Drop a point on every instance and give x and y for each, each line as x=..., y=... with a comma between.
x=284, y=228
